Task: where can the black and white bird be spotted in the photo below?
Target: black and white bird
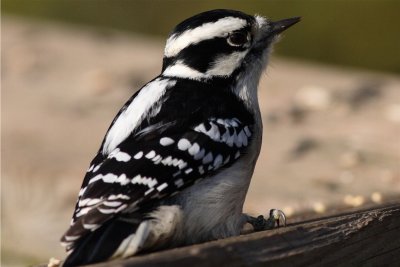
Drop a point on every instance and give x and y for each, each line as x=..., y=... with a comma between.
x=175, y=164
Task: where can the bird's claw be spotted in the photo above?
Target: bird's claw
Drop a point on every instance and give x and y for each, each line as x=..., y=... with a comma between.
x=274, y=220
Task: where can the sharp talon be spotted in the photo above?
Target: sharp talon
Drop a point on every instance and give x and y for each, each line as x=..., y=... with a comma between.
x=277, y=215
x=276, y=218
x=283, y=217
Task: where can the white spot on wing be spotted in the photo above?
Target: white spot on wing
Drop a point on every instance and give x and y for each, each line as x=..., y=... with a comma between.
x=148, y=181
x=138, y=155
x=156, y=158
x=95, y=169
x=166, y=141
x=213, y=133
x=88, y=202
x=182, y=164
x=119, y=196
x=82, y=191
x=149, y=191
x=83, y=211
x=119, y=155
x=108, y=211
x=91, y=227
x=237, y=154
x=167, y=161
x=122, y=179
x=162, y=187
x=112, y=203
x=243, y=138
x=151, y=154
x=107, y=178
x=184, y=144
x=194, y=149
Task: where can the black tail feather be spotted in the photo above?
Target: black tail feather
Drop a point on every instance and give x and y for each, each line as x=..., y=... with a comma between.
x=101, y=244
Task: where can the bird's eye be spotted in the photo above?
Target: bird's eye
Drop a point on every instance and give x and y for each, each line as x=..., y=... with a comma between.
x=238, y=38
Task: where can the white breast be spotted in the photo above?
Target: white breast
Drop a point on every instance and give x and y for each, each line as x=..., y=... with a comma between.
x=212, y=208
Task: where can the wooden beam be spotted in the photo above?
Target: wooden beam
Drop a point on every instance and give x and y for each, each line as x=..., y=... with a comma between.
x=369, y=237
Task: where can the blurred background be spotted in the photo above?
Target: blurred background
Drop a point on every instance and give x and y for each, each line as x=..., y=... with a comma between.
x=330, y=100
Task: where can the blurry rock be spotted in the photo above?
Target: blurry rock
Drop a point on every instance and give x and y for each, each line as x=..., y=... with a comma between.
x=319, y=207
x=392, y=113
x=365, y=93
x=313, y=98
x=354, y=201
x=326, y=184
x=273, y=117
x=297, y=114
x=376, y=197
x=303, y=147
x=350, y=159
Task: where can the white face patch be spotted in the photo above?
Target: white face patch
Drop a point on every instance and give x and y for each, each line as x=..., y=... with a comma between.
x=179, y=69
x=219, y=28
x=226, y=64
x=222, y=66
x=133, y=115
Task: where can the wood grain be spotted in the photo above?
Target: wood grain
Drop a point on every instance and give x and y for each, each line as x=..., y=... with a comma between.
x=369, y=237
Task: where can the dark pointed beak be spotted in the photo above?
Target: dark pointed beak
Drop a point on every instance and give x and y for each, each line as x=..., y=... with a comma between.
x=281, y=25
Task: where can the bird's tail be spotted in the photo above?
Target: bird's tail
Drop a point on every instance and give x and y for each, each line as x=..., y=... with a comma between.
x=105, y=243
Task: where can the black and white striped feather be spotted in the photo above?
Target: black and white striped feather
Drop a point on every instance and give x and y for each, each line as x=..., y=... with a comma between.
x=162, y=155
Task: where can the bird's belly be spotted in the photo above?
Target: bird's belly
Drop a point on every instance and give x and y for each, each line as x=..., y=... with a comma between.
x=212, y=208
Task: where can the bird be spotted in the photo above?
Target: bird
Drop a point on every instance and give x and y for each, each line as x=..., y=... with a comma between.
x=176, y=162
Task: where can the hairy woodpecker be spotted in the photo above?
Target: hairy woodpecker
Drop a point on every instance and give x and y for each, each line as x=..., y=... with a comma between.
x=175, y=164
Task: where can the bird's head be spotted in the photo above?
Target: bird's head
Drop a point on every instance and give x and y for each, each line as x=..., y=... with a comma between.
x=220, y=43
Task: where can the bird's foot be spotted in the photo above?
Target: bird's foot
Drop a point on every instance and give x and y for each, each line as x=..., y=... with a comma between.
x=275, y=220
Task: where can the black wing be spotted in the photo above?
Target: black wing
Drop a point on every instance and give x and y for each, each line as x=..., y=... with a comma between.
x=153, y=164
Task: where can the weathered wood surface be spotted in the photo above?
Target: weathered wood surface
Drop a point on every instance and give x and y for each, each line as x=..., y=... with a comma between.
x=369, y=237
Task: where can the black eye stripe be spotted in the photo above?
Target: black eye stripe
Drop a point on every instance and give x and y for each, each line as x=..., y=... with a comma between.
x=199, y=56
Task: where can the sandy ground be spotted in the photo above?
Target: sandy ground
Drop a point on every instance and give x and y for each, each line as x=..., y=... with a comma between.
x=331, y=135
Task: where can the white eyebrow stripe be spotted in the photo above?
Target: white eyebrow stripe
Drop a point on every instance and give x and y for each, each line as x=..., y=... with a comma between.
x=211, y=29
